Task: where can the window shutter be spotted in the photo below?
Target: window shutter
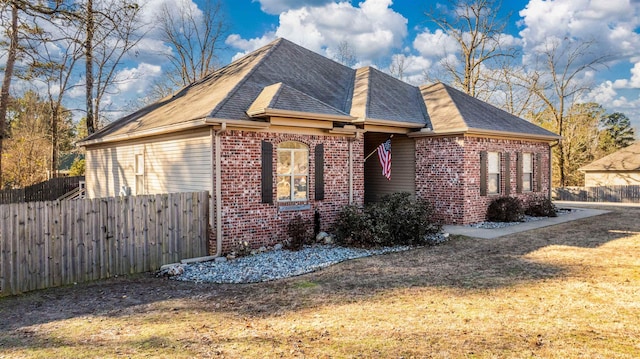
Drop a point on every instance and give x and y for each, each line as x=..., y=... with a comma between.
x=319, y=165
x=267, y=172
x=538, y=169
x=483, y=173
x=507, y=174
x=519, y=172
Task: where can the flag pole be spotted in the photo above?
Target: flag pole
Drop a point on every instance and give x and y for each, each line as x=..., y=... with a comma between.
x=372, y=152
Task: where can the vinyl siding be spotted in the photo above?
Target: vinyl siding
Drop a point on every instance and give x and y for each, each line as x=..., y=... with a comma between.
x=403, y=167
x=177, y=163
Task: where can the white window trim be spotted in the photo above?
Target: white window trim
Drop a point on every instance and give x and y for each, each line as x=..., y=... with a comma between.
x=295, y=152
x=494, y=171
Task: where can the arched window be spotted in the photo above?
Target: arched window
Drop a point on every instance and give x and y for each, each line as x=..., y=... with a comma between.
x=292, y=171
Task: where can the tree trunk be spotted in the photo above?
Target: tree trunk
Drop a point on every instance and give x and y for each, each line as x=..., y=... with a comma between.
x=8, y=75
x=88, y=49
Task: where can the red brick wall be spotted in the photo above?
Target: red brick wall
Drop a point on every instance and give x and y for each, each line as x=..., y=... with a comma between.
x=448, y=174
x=246, y=219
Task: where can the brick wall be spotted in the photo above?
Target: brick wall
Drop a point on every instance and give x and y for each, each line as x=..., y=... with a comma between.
x=246, y=219
x=448, y=174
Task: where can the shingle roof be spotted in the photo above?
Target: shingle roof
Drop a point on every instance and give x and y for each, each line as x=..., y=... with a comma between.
x=453, y=110
x=625, y=159
x=285, y=76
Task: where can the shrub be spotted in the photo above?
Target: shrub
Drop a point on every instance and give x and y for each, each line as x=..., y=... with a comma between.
x=505, y=209
x=541, y=206
x=299, y=233
x=396, y=219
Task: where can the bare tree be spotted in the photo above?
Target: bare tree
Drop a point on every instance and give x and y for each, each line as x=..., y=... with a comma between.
x=111, y=32
x=474, y=25
x=196, y=36
x=398, y=66
x=346, y=54
x=12, y=54
x=558, y=84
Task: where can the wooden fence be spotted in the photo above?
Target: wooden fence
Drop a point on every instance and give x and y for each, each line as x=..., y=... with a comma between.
x=625, y=194
x=44, y=191
x=48, y=244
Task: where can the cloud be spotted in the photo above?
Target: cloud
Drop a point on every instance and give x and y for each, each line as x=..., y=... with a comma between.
x=372, y=29
x=276, y=7
x=435, y=44
x=610, y=23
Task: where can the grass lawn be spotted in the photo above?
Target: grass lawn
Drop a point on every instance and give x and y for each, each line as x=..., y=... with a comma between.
x=566, y=291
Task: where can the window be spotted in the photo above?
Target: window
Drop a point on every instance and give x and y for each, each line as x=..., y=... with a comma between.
x=139, y=170
x=527, y=172
x=292, y=171
x=493, y=166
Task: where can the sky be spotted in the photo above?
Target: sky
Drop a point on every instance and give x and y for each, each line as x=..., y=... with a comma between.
x=380, y=29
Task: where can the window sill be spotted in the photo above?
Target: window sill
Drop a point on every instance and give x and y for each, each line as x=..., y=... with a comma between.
x=293, y=206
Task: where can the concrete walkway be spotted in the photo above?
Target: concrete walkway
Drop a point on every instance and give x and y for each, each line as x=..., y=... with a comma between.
x=576, y=213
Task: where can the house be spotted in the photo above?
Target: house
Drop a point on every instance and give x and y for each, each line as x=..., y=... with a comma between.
x=617, y=169
x=284, y=131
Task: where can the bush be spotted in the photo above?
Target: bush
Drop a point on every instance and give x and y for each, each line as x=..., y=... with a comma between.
x=395, y=220
x=299, y=233
x=505, y=209
x=541, y=206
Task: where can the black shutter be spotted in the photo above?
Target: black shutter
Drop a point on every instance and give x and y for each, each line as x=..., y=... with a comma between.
x=507, y=174
x=267, y=172
x=483, y=173
x=519, y=172
x=538, y=169
x=319, y=165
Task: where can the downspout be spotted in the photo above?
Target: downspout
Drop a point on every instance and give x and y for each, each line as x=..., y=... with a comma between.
x=551, y=166
x=350, y=171
x=216, y=187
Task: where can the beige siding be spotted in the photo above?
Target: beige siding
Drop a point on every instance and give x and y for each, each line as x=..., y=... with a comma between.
x=403, y=167
x=177, y=163
x=594, y=179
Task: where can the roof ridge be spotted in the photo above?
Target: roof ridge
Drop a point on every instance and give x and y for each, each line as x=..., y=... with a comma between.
x=273, y=44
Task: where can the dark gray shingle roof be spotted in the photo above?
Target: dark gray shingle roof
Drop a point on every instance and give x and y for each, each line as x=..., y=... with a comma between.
x=285, y=76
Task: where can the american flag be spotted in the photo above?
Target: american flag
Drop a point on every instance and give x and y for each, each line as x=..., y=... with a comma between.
x=384, y=155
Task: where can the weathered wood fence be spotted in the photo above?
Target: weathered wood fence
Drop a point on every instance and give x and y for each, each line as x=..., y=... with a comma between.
x=44, y=191
x=625, y=194
x=48, y=244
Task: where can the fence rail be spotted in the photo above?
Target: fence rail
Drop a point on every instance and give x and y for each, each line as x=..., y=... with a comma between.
x=44, y=191
x=48, y=244
x=625, y=194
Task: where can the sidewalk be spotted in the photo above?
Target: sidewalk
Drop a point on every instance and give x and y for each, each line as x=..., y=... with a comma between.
x=576, y=213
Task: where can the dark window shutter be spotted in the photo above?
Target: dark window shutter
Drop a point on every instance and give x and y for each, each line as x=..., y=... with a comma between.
x=507, y=174
x=319, y=165
x=267, y=172
x=538, y=169
x=519, y=172
x=483, y=173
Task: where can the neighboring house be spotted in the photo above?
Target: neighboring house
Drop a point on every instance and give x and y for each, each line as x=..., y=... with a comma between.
x=617, y=169
x=284, y=131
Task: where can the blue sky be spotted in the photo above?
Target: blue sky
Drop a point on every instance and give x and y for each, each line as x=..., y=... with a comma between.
x=380, y=29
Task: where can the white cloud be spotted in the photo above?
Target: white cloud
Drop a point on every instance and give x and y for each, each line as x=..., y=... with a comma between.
x=275, y=7
x=372, y=29
x=435, y=44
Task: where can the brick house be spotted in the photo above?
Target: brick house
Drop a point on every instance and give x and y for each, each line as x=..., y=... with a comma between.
x=285, y=131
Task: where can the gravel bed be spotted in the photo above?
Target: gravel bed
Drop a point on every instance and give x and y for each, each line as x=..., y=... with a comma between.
x=495, y=225
x=275, y=264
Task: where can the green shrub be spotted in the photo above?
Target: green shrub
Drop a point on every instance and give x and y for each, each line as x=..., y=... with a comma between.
x=505, y=209
x=299, y=233
x=396, y=219
x=541, y=206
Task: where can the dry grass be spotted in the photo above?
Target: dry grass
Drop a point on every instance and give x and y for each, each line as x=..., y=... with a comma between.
x=567, y=291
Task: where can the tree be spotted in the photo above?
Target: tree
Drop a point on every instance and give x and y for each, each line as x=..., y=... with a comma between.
x=346, y=54
x=617, y=132
x=12, y=54
x=195, y=38
x=479, y=33
x=111, y=31
x=557, y=83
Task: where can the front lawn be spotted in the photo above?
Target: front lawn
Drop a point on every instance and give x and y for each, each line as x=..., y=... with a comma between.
x=566, y=291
